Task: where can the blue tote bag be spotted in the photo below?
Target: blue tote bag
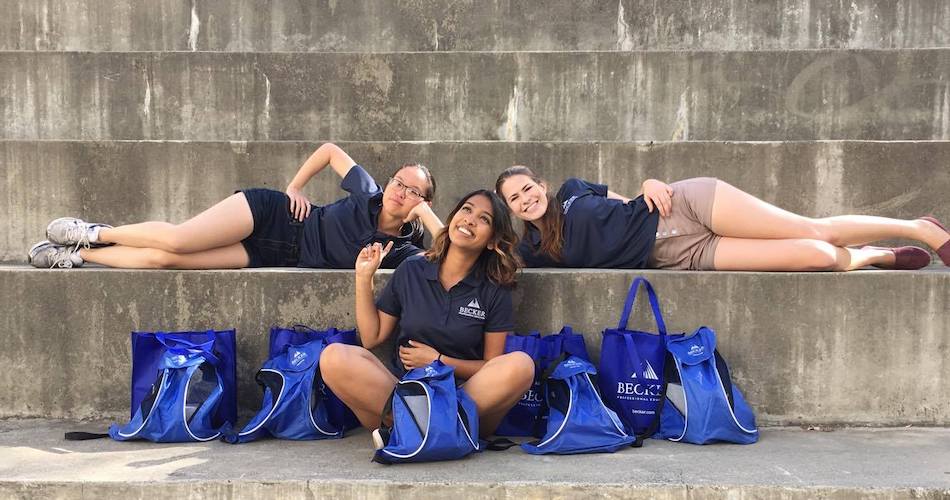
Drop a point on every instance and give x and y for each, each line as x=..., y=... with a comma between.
x=528, y=417
x=631, y=365
x=282, y=338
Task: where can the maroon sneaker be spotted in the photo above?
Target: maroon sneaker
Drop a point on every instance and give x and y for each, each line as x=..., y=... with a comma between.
x=944, y=251
x=906, y=258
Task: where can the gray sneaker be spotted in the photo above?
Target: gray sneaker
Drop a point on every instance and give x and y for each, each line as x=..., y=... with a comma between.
x=71, y=231
x=49, y=255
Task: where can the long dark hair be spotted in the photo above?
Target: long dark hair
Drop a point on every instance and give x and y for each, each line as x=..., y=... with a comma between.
x=417, y=230
x=499, y=264
x=551, y=224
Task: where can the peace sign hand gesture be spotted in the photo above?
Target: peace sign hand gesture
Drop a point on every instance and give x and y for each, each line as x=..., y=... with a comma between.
x=369, y=259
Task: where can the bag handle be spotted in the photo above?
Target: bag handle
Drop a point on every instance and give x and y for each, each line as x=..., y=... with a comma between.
x=635, y=357
x=183, y=346
x=654, y=304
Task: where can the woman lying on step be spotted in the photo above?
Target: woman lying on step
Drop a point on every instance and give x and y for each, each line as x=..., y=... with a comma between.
x=701, y=224
x=452, y=305
x=263, y=227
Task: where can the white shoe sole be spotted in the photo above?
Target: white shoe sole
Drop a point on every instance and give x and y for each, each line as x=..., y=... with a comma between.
x=378, y=440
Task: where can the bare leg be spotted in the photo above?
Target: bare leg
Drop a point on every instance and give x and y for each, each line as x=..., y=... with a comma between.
x=497, y=386
x=738, y=214
x=739, y=254
x=226, y=223
x=230, y=257
x=359, y=380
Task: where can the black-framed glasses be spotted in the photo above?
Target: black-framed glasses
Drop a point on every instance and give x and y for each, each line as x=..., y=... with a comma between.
x=411, y=192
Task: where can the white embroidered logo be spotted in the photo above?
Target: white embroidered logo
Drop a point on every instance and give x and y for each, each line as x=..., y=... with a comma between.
x=648, y=372
x=567, y=204
x=472, y=310
x=697, y=350
x=299, y=357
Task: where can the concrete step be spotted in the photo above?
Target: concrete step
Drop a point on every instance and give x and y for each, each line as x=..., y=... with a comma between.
x=391, y=25
x=786, y=464
x=573, y=96
x=867, y=347
x=124, y=182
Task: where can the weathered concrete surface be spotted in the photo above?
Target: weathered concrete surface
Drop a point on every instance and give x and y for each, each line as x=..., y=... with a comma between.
x=785, y=464
x=497, y=25
x=124, y=182
x=864, y=347
x=610, y=96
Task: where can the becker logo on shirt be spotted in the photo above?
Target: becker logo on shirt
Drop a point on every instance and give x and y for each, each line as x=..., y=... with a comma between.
x=567, y=204
x=472, y=310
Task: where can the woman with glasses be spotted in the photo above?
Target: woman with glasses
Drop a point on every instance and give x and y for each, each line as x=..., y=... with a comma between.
x=264, y=227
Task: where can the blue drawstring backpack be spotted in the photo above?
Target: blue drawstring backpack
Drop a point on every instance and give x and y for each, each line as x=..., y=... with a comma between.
x=526, y=417
x=579, y=422
x=281, y=338
x=432, y=418
x=701, y=404
x=183, y=387
x=631, y=366
x=295, y=404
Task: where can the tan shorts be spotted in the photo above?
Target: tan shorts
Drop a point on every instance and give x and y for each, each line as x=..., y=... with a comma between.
x=684, y=239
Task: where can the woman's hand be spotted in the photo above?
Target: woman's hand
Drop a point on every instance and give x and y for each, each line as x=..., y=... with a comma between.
x=418, y=211
x=417, y=354
x=369, y=259
x=299, y=204
x=658, y=194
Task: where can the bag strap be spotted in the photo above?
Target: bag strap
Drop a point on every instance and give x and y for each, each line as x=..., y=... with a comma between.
x=634, y=357
x=499, y=444
x=668, y=371
x=654, y=304
x=84, y=436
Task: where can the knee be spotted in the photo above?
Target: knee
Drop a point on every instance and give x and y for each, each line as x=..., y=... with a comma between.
x=518, y=368
x=176, y=242
x=337, y=359
x=819, y=256
x=823, y=230
x=155, y=258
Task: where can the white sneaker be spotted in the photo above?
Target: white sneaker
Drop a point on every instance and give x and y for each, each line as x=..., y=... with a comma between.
x=70, y=231
x=46, y=254
x=379, y=441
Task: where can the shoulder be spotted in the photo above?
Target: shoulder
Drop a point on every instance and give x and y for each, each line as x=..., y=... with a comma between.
x=574, y=187
x=359, y=181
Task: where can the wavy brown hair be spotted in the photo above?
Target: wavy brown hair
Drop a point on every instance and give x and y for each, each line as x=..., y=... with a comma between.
x=551, y=224
x=499, y=264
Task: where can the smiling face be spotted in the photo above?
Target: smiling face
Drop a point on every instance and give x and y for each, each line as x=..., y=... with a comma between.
x=526, y=198
x=471, y=226
x=403, y=190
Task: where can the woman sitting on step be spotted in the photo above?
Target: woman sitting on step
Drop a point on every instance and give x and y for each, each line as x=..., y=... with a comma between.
x=701, y=224
x=263, y=227
x=452, y=305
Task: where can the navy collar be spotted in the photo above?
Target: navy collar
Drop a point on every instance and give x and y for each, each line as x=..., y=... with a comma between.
x=472, y=279
x=534, y=234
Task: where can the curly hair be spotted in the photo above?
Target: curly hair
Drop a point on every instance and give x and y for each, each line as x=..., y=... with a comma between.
x=501, y=263
x=551, y=224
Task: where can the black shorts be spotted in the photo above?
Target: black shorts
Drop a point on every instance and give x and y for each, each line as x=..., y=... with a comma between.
x=275, y=240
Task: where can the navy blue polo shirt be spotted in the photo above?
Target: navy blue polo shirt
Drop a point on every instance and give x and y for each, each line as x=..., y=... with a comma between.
x=334, y=234
x=453, y=322
x=598, y=232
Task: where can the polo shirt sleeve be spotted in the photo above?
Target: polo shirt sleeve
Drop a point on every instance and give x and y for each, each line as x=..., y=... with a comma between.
x=500, y=314
x=359, y=183
x=398, y=254
x=388, y=300
x=580, y=187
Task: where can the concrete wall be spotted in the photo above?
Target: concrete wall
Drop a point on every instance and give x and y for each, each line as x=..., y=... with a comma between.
x=124, y=182
x=864, y=347
x=495, y=25
x=564, y=96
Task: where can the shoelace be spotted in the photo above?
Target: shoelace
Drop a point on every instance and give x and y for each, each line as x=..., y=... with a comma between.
x=61, y=259
x=82, y=238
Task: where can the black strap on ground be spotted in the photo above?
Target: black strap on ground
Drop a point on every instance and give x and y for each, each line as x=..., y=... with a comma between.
x=668, y=370
x=499, y=444
x=84, y=436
